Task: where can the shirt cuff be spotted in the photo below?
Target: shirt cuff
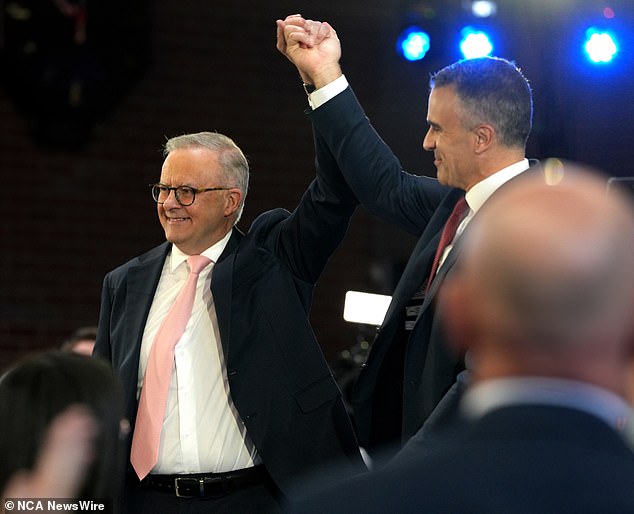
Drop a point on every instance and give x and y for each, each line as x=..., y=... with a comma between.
x=328, y=92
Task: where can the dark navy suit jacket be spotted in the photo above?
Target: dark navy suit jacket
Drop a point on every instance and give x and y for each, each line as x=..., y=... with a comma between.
x=427, y=368
x=421, y=206
x=521, y=459
x=262, y=286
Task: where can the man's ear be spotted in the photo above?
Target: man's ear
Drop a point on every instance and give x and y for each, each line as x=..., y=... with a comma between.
x=485, y=135
x=233, y=201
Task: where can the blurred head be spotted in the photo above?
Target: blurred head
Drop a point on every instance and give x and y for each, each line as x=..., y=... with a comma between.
x=479, y=116
x=545, y=284
x=35, y=391
x=200, y=161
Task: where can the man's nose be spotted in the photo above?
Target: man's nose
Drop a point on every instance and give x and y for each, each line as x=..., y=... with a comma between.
x=428, y=141
x=171, y=202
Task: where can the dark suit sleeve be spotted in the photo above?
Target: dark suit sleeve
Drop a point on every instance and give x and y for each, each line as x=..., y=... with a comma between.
x=309, y=236
x=371, y=168
x=102, y=343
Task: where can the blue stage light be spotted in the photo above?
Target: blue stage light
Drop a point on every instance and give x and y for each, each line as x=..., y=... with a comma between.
x=600, y=46
x=475, y=43
x=413, y=44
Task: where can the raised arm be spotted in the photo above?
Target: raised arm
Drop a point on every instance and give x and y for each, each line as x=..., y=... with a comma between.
x=370, y=168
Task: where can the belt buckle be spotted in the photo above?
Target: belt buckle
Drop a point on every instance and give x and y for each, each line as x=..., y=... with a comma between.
x=201, y=485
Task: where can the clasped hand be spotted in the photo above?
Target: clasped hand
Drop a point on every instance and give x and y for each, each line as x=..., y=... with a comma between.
x=312, y=46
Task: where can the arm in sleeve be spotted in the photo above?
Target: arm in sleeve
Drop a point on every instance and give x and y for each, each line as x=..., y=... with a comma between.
x=370, y=167
x=102, y=343
x=310, y=235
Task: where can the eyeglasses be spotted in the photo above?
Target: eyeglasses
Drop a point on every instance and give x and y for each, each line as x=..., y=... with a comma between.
x=185, y=195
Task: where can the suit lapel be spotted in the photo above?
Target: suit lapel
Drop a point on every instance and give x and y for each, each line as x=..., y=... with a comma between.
x=222, y=286
x=443, y=271
x=423, y=254
x=141, y=282
x=413, y=277
x=141, y=286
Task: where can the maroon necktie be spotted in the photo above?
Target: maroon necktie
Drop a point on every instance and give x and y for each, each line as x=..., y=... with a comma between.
x=459, y=212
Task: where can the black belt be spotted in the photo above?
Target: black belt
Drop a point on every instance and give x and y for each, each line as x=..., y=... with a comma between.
x=205, y=484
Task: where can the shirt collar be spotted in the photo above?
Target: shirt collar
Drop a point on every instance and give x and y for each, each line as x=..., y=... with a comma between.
x=486, y=396
x=213, y=252
x=479, y=193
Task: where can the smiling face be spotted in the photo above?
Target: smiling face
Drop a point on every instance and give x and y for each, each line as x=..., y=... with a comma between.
x=198, y=226
x=451, y=141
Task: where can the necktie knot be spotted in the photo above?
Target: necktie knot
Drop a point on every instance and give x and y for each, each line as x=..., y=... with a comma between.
x=197, y=263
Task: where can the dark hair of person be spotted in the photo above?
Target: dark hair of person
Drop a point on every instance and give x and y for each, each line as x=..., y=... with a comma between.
x=36, y=390
x=494, y=91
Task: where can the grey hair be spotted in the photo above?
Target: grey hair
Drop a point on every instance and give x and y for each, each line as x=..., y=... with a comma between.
x=492, y=90
x=233, y=163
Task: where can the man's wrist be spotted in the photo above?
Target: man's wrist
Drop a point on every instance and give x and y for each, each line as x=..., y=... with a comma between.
x=323, y=94
x=326, y=76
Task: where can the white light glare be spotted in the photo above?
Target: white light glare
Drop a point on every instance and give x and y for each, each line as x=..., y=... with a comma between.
x=484, y=8
x=365, y=308
x=413, y=44
x=600, y=46
x=475, y=44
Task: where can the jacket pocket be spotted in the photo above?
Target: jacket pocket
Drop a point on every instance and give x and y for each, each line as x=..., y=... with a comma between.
x=317, y=394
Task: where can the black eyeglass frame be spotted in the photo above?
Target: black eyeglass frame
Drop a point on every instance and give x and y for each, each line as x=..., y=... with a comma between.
x=156, y=190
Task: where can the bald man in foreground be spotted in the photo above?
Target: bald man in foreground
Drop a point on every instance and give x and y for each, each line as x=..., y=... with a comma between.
x=544, y=300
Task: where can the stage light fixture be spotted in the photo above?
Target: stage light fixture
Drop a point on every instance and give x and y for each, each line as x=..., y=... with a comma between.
x=600, y=46
x=475, y=43
x=413, y=43
x=366, y=308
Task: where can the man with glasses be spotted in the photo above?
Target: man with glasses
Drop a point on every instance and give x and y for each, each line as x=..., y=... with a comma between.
x=251, y=404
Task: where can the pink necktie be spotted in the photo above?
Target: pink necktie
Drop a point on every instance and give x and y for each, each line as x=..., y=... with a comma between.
x=151, y=410
x=459, y=212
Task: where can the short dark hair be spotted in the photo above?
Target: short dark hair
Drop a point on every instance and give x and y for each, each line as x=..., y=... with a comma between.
x=492, y=90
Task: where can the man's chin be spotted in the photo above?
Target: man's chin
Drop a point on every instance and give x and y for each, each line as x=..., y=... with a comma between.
x=170, y=237
x=444, y=179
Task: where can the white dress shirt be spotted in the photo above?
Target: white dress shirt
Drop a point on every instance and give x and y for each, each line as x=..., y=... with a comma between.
x=320, y=96
x=202, y=431
x=480, y=193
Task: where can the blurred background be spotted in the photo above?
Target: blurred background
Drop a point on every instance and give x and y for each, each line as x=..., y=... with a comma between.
x=90, y=90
